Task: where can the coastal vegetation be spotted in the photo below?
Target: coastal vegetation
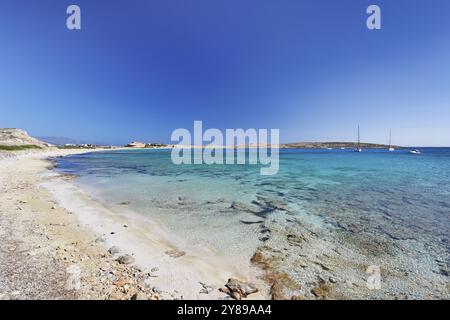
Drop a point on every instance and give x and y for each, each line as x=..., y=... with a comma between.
x=18, y=147
x=78, y=146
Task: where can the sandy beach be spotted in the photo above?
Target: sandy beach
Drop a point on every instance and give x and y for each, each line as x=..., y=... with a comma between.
x=53, y=233
x=59, y=242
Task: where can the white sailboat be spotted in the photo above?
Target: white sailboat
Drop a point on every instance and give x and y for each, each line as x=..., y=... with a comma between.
x=358, y=148
x=390, y=140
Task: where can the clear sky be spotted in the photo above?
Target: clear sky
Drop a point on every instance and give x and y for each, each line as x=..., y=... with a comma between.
x=139, y=69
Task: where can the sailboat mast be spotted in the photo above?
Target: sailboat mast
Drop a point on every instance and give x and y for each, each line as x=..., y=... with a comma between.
x=390, y=137
x=358, y=137
x=358, y=148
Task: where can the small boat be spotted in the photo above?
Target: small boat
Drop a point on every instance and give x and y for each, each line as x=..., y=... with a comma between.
x=358, y=148
x=329, y=148
x=390, y=144
x=415, y=151
x=342, y=148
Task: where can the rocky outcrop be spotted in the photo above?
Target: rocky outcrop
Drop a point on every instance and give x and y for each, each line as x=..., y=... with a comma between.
x=18, y=137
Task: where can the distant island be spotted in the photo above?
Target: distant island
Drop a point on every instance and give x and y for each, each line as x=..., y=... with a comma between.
x=293, y=145
x=334, y=145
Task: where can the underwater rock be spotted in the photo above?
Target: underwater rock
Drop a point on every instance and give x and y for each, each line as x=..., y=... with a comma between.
x=251, y=220
x=295, y=239
x=275, y=204
x=217, y=201
x=351, y=227
x=175, y=253
x=244, y=207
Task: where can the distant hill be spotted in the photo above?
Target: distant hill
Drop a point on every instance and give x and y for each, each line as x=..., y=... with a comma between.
x=60, y=141
x=18, y=137
x=334, y=145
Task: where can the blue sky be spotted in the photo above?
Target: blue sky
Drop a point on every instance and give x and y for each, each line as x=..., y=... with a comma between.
x=139, y=69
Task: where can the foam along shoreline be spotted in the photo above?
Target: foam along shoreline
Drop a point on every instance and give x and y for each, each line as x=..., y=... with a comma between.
x=174, y=269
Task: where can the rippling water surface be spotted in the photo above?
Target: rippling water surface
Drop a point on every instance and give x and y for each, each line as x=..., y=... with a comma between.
x=393, y=195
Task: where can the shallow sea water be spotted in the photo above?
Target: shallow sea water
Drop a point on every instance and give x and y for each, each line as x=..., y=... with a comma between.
x=392, y=196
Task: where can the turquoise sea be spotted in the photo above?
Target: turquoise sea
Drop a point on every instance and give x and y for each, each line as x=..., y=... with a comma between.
x=387, y=208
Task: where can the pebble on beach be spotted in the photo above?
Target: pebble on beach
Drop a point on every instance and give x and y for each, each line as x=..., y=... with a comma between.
x=125, y=259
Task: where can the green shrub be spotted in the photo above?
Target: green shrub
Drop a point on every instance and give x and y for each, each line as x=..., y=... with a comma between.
x=18, y=147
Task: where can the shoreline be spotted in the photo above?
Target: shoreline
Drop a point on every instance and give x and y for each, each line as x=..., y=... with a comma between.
x=165, y=267
x=50, y=224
